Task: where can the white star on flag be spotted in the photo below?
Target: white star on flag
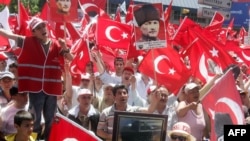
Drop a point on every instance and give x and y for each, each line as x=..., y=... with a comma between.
x=124, y=35
x=171, y=71
x=214, y=52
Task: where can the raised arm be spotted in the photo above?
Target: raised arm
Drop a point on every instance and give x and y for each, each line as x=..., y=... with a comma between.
x=10, y=35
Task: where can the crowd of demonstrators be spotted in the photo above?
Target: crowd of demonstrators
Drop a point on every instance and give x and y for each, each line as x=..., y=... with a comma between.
x=41, y=86
x=106, y=121
x=18, y=102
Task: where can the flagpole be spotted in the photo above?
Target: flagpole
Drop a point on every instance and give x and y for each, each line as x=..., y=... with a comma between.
x=154, y=67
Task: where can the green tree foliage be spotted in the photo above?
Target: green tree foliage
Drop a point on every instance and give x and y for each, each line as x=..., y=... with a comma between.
x=34, y=6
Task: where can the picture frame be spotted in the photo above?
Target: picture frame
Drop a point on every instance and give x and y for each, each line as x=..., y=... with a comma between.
x=132, y=126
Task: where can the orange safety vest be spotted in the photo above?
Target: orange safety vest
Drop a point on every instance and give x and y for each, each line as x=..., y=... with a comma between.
x=37, y=71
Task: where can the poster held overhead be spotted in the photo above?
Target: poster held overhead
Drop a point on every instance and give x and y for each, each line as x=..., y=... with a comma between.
x=63, y=10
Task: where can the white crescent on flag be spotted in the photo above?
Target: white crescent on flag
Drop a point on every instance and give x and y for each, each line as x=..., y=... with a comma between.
x=236, y=108
x=245, y=56
x=107, y=33
x=156, y=62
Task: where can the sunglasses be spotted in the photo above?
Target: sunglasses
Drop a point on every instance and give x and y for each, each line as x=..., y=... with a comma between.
x=180, y=138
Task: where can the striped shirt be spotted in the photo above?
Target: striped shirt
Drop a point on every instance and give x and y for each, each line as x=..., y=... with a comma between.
x=106, y=120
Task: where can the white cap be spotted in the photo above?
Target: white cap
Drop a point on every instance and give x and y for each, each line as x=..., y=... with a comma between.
x=108, y=84
x=190, y=86
x=182, y=128
x=34, y=22
x=7, y=74
x=83, y=92
x=85, y=76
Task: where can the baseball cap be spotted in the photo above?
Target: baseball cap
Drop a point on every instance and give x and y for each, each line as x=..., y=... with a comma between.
x=108, y=84
x=190, y=86
x=151, y=89
x=129, y=69
x=183, y=129
x=34, y=22
x=85, y=76
x=83, y=92
x=7, y=74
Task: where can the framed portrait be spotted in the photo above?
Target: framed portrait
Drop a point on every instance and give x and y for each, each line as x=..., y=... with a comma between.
x=149, y=26
x=130, y=126
x=63, y=10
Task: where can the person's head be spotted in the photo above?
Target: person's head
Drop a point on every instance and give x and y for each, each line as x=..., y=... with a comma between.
x=119, y=64
x=85, y=79
x=148, y=19
x=6, y=80
x=243, y=95
x=107, y=91
x=21, y=99
x=63, y=6
x=84, y=97
x=192, y=93
x=162, y=90
x=3, y=63
x=244, y=68
x=121, y=94
x=89, y=67
x=24, y=123
x=127, y=74
x=13, y=68
x=38, y=28
x=181, y=131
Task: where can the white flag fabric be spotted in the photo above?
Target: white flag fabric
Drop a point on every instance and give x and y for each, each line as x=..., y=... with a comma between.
x=4, y=16
x=123, y=7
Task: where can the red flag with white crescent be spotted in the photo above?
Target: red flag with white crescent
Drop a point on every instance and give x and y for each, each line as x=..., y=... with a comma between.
x=92, y=6
x=223, y=105
x=64, y=129
x=113, y=34
x=166, y=67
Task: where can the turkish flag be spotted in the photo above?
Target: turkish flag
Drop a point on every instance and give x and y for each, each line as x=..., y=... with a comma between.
x=165, y=66
x=5, y=2
x=223, y=105
x=82, y=57
x=23, y=19
x=216, y=22
x=91, y=7
x=181, y=36
x=113, y=34
x=132, y=51
x=214, y=50
x=244, y=54
x=4, y=42
x=242, y=34
x=64, y=129
x=129, y=15
x=67, y=30
x=207, y=58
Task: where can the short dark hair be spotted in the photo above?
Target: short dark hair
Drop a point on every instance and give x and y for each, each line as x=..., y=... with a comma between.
x=117, y=87
x=21, y=116
x=119, y=59
x=13, y=65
